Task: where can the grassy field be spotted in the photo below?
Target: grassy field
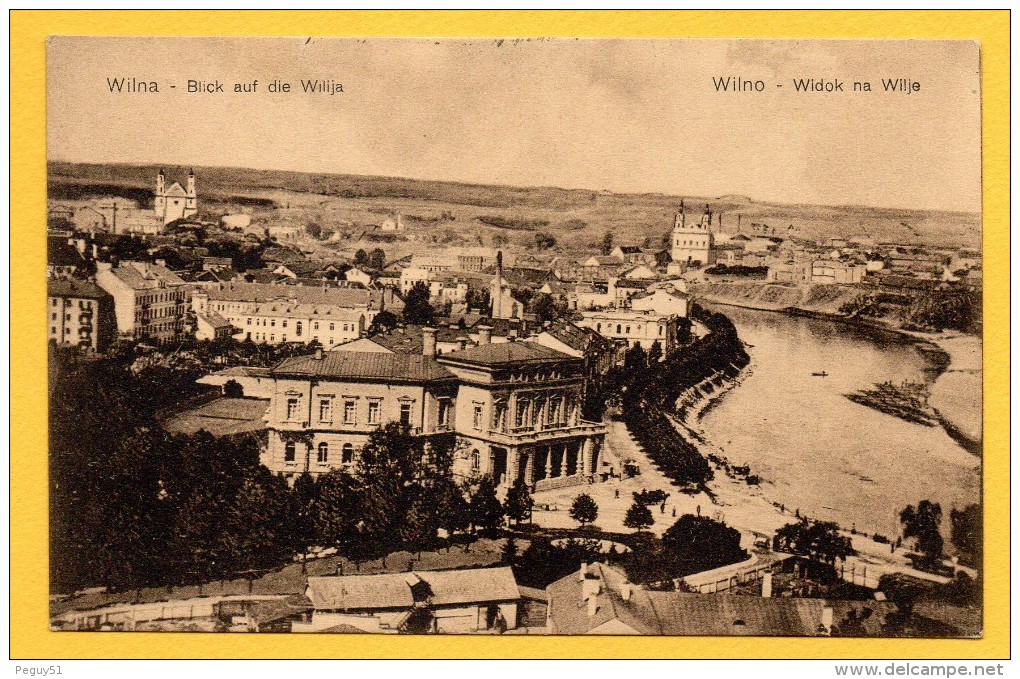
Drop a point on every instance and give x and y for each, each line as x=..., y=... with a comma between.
x=472, y=214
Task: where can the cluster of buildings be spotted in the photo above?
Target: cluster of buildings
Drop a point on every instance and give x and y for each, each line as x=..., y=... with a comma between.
x=597, y=599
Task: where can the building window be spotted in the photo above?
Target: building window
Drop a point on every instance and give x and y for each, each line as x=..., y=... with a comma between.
x=292, y=408
x=350, y=411
x=555, y=410
x=325, y=410
x=661, y=328
x=617, y=328
x=323, y=455
x=249, y=321
x=476, y=420
x=373, y=412
x=405, y=413
x=476, y=460
x=285, y=322
x=444, y=412
x=315, y=325
x=54, y=317
x=297, y=330
x=272, y=323
x=347, y=454
x=288, y=452
x=522, y=413
x=332, y=326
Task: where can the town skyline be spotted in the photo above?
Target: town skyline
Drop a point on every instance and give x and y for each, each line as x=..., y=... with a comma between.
x=594, y=115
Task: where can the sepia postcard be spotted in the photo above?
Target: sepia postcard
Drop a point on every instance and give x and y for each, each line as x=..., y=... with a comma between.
x=507, y=337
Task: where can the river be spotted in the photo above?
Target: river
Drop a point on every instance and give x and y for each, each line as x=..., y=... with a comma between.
x=821, y=453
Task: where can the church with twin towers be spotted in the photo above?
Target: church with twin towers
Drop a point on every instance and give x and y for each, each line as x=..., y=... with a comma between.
x=175, y=201
x=691, y=244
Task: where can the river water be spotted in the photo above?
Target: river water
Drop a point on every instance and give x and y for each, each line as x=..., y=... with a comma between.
x=821, y=453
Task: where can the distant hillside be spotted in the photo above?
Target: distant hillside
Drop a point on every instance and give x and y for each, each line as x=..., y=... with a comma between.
x=477, y=213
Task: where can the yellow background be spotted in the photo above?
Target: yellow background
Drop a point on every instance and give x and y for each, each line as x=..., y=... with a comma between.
x=30, y=637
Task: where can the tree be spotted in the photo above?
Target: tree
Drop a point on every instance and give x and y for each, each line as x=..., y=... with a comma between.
x=383, y=321
x=584, y=510
x=544, y=307
x=655, y=353
x=452, y=509
x=922, y=524
x=361, y=259
x=417, y=309
x=698, y=543
x=820, y=540
x=509, y=550
x=544, y=241
x=333, y=504
x=485, y=510
x=518, y=502
x=638, y=517
x=607, y=243
x=966, y=533
x=233, y=389
x=377, y=259
x=314, y=230
x=635, y=360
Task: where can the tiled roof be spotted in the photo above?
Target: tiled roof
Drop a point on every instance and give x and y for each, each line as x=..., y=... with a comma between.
x=312, y=311
x=365, y=365
x=506, y=353
x=394, y=590
x=576, y=337
x=76, y=289
x=214, y=319
x=143, y=275
x=681, y=613
x=303, y=294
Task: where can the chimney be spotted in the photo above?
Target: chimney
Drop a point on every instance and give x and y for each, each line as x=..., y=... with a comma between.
x=319, y=354
x=593, y=607
x=766, y=586
x=462, y=342
x=428, y=341
x=584, y=572
x=484, y=334
x=626, y=589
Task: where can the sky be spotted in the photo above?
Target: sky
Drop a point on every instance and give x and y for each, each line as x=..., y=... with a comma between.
x=630, y=115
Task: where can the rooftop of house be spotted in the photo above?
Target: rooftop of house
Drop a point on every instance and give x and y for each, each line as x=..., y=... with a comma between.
x=388, y=591
x=236, y=291
x=145, y=275
x=575, y=337
x=619, y=604
x=61, y=253
x=214, y=319
x=506, y=353
x=364, y=365
x=75, y=289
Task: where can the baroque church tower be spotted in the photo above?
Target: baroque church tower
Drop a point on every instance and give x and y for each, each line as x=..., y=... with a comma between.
x=692, y=245
x=175, y=202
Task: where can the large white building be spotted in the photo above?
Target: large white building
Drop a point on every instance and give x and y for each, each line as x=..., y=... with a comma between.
x=514, y=409
x=691, y=244
x=275, y=314
x=151, y=302
x=630, y=328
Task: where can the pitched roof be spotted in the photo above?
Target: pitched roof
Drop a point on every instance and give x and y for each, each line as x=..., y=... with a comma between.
x=507, y=353
x=365, y=365
x=235, y=291
x=76, y=289
x=397, y=590
x=214, y=319
x=144, y=275
x=681, y=613
x=576, y=337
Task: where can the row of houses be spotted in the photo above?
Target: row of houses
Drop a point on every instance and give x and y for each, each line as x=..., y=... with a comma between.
x=597, y=599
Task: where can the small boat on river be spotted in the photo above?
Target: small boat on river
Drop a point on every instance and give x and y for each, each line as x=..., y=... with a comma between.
x=820, y=374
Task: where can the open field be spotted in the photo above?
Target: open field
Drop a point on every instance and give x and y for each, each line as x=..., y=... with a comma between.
x=453, y=213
